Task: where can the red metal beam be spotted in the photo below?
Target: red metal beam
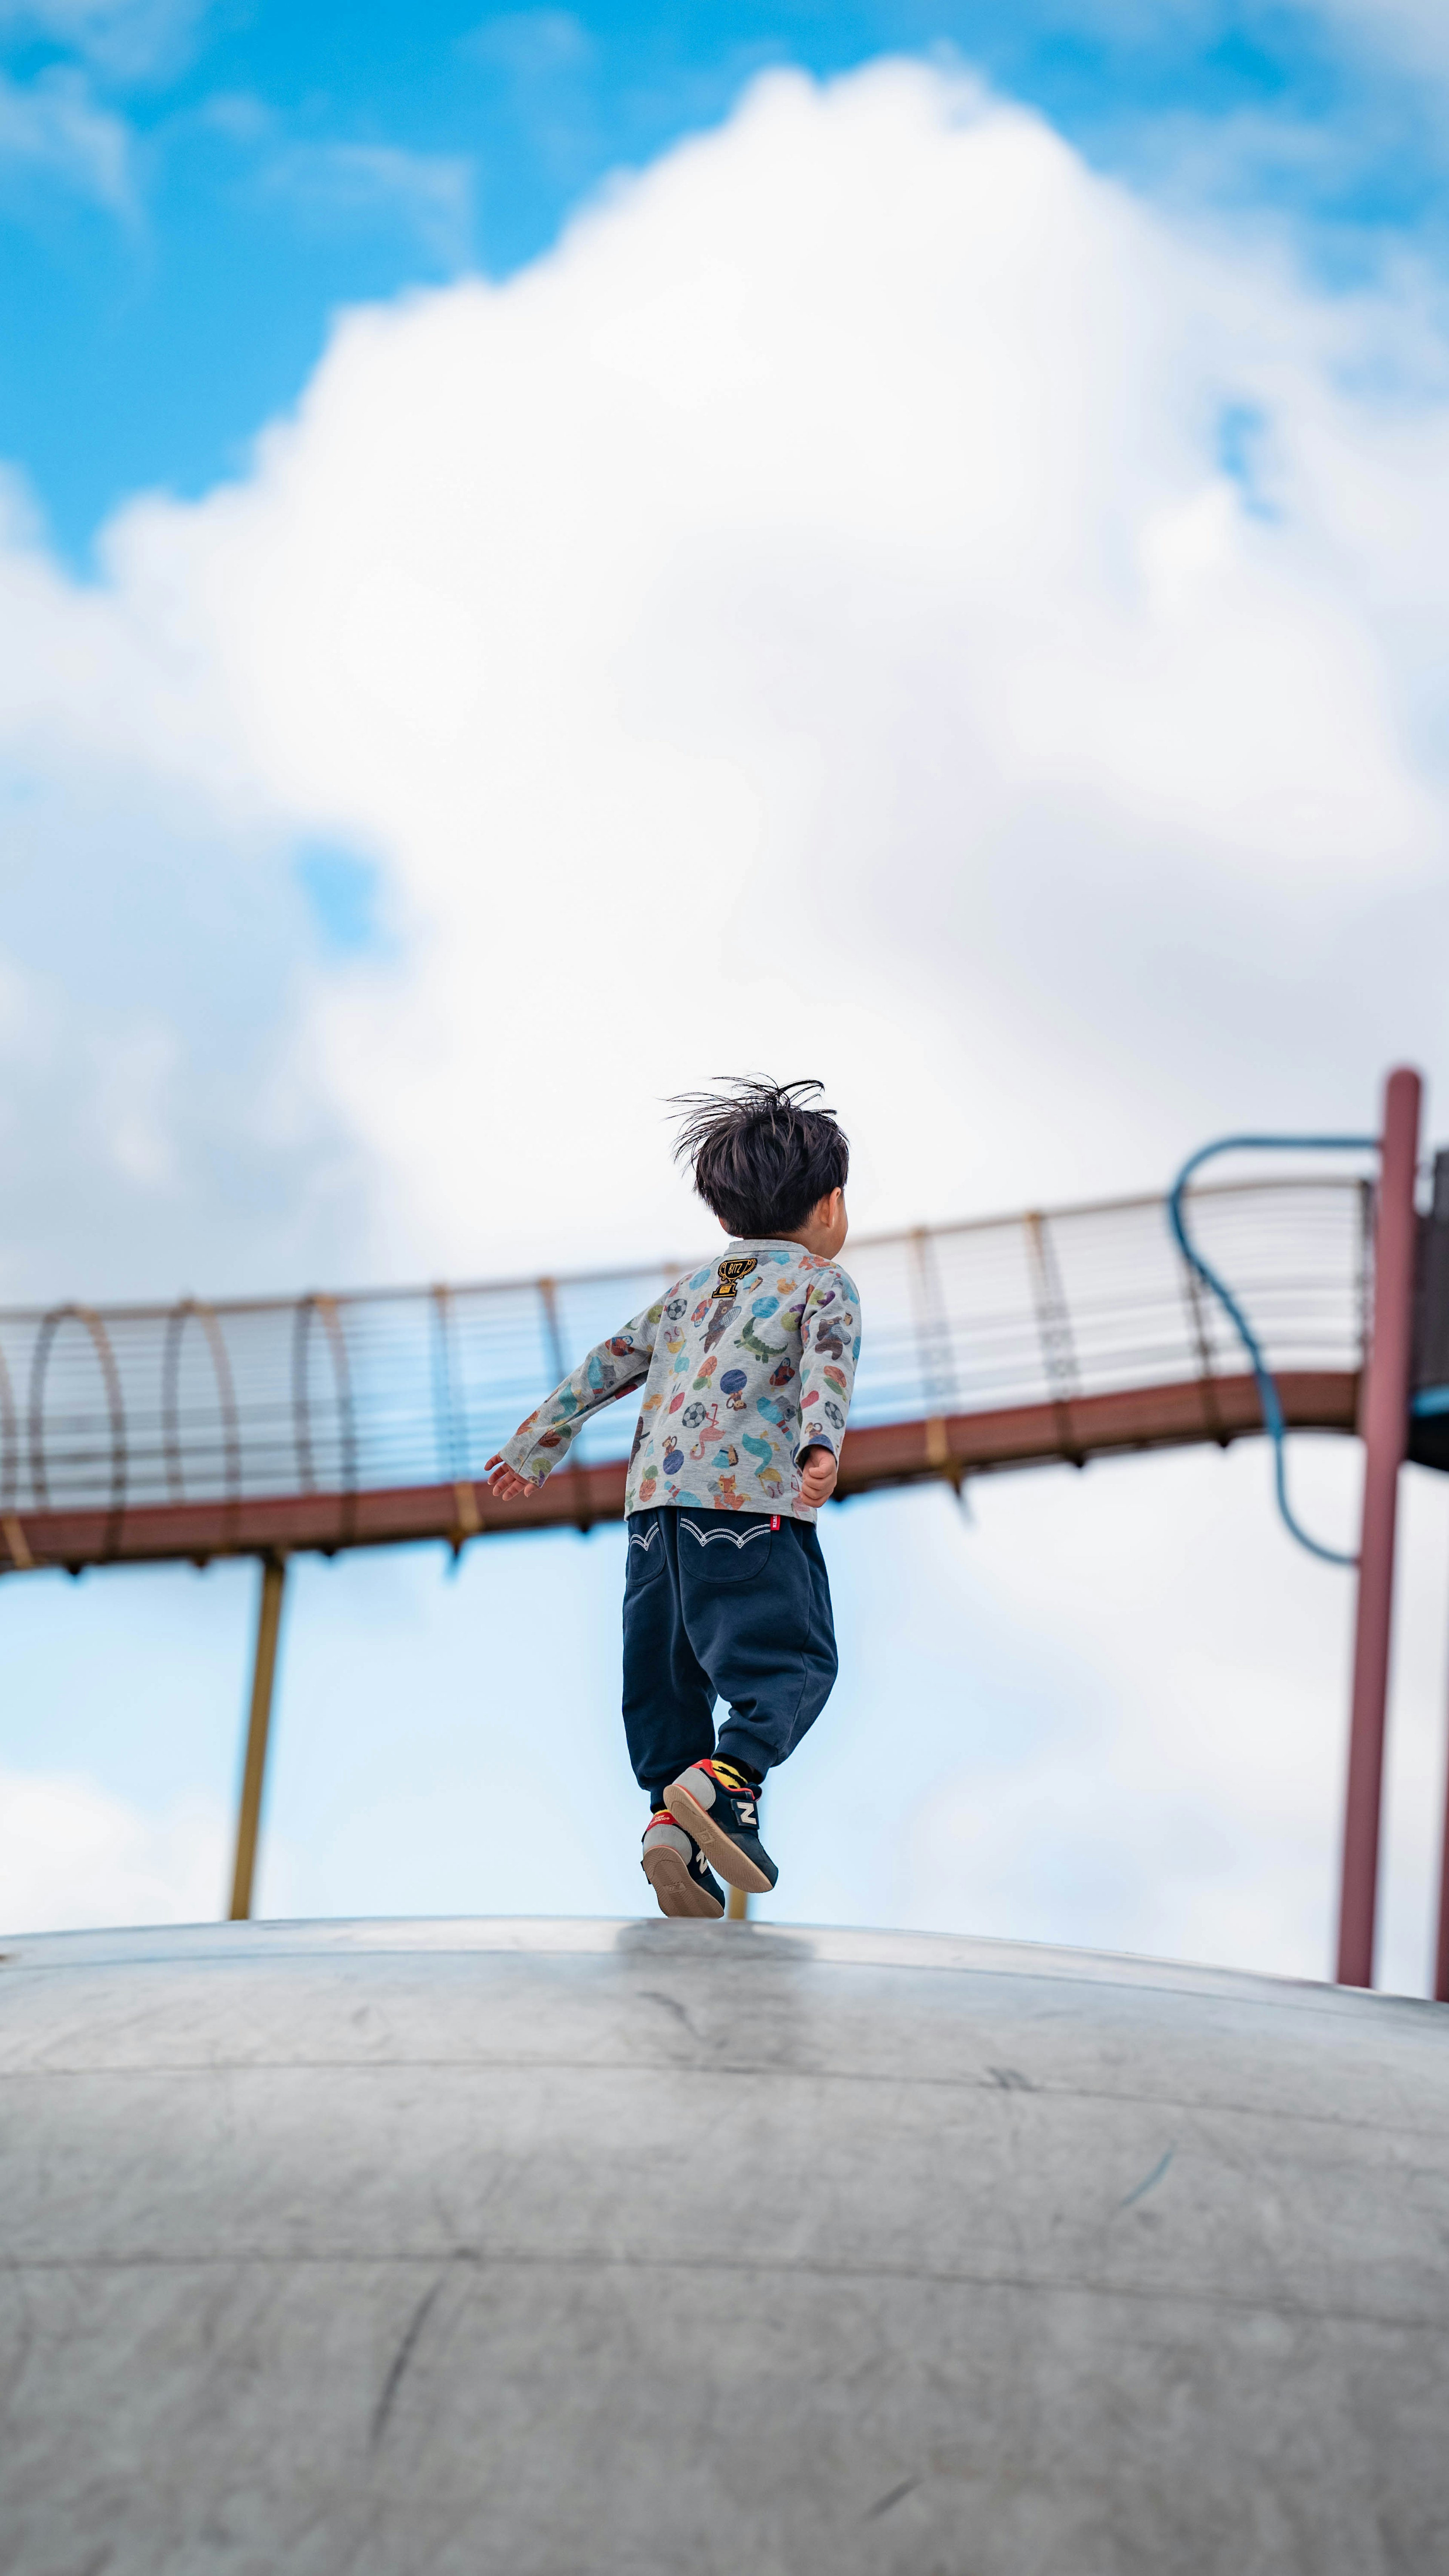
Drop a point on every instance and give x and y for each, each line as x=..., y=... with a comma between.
x=1441, y=1938
x=893, y=1453
x=1385, y=1429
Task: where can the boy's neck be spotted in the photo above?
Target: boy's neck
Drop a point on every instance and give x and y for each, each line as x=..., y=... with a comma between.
x=803, y=1237
x=822, y=1234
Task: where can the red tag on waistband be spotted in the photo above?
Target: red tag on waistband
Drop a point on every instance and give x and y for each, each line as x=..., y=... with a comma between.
x=774, y=1520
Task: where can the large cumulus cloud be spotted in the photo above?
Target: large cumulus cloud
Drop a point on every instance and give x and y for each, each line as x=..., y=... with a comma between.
x=876, y=596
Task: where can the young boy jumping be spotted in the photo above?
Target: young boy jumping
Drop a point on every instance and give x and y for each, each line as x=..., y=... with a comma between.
x=747, y=1366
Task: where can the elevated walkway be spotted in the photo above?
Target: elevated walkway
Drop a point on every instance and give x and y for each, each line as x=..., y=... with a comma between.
x=364, y=1419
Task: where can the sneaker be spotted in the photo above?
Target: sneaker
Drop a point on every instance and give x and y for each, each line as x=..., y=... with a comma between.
x=677, y=1870
x=719, y=1807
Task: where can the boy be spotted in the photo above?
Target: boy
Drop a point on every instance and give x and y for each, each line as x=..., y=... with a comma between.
x=747, y=1366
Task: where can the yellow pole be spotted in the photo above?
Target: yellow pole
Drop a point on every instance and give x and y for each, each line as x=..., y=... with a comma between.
x=264, y=1673
x=738, y=1908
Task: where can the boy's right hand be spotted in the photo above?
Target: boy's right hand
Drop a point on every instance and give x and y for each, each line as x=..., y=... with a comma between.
x=817, y=1476
x=502, y=1483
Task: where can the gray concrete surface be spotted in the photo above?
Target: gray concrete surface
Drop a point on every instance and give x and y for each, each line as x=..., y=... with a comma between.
x=599, y=2250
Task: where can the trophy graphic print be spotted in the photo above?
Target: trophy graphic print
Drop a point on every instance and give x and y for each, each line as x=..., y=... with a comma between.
x=731, y=1273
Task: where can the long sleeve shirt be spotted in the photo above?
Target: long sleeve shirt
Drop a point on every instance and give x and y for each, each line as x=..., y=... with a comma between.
x=746, y=1363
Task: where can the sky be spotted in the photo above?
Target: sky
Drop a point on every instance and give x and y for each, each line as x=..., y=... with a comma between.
x=548, y=557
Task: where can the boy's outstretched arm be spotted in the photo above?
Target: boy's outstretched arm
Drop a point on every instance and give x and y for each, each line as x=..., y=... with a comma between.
x=544, y=1440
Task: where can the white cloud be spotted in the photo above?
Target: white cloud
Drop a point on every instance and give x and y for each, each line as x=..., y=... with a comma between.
x=71, y=1854
x=1183, y=1801
x=1413, y=32
x=805, y=618
x=430, y=194
x=123, y=39
x=136, y=1073
x=53, y=128
x=533, y=44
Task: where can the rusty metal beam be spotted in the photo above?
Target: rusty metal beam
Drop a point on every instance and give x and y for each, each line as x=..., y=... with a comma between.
x=1385, y=1438
x=1188, y=1412
x=254, y=1770
x=1441, y=1925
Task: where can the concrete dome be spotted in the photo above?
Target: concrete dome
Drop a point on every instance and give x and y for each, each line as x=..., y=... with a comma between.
x=534, y=2249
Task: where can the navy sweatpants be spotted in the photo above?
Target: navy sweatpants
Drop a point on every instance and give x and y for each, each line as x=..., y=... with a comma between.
x=717, y=1605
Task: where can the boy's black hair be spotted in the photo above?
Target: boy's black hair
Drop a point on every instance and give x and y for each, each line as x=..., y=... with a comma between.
x=761, y=1159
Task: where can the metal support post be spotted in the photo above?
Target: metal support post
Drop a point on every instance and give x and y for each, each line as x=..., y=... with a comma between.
x=264, y=1672
x=1441, y=1939
x=737, y=1906
x=1384, y=1421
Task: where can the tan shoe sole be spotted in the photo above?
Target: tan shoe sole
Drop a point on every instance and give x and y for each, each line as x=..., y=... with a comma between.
x=676, y=1890
x=719, y=1851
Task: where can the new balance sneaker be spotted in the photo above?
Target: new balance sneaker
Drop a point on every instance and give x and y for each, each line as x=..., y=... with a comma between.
x=719, y=1807
x=677, y=1870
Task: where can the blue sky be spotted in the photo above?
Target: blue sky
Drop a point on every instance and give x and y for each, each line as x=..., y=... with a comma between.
x=566, y=551
x=190, y=192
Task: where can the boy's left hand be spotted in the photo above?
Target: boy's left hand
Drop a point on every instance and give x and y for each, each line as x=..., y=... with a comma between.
x=817, y=1477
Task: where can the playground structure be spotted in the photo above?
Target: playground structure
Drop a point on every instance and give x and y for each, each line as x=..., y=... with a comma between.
x=264, y=1427
x=508, y=2249
x=500, y=2249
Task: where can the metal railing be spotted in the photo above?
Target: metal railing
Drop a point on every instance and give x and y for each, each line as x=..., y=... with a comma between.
x=196, y=1408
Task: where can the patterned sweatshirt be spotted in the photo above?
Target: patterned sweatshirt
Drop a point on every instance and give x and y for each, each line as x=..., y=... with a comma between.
x=747, y=1363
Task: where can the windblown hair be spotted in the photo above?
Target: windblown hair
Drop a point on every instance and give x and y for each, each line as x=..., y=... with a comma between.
x=761, y=1159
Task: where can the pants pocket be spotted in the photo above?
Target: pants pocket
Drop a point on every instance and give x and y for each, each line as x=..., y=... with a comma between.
x=721, y=1554
x=643, y=1557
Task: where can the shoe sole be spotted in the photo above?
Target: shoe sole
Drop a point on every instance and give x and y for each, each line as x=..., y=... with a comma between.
x=722, y=1854
x=677, y=1892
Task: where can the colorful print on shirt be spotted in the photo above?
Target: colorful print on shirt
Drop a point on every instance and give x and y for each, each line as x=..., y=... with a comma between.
x=747, y=1363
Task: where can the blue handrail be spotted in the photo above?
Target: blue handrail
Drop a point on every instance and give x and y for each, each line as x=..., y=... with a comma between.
x=1268, y=1396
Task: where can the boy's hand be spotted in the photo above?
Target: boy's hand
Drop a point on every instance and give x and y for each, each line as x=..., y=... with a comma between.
x=502, y=1483
x=817, y=1477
